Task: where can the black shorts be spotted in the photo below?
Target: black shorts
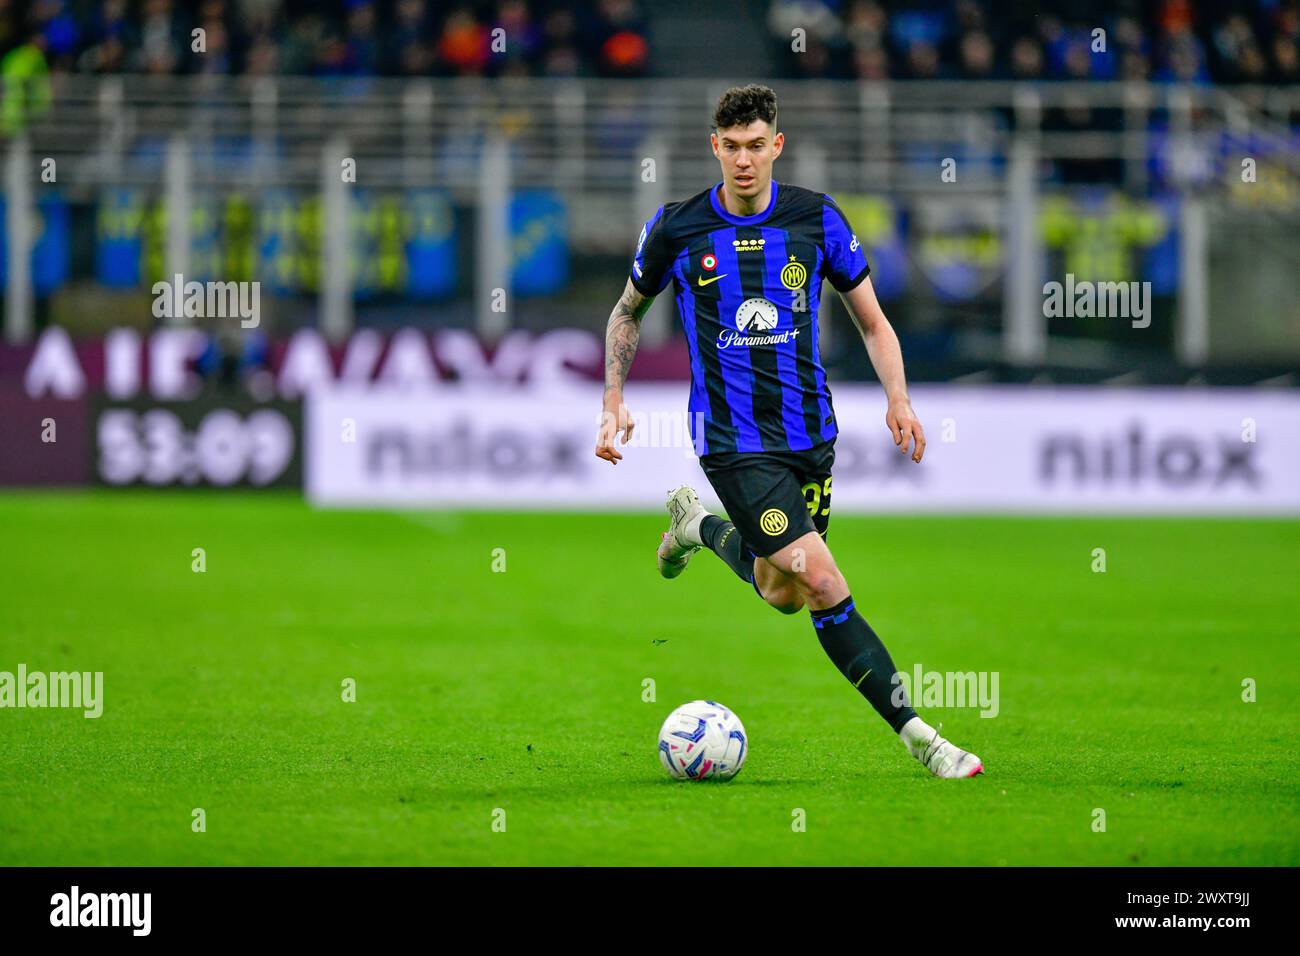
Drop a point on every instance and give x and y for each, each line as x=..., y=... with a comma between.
x=774, y=497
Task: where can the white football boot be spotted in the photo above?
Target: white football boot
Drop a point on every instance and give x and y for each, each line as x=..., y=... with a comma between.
x=682, y=539
x=943, y=759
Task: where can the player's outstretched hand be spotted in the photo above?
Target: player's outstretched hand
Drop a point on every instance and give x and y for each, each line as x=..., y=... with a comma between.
x=615, y=419
x=906, y=428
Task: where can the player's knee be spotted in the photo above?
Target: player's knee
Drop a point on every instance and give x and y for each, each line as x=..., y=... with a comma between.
x=820, y=586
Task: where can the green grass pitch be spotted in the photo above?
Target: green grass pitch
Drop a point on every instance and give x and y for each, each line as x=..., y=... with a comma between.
x=522, y=690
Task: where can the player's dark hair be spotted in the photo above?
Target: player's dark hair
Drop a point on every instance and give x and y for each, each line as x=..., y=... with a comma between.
x=742, y=105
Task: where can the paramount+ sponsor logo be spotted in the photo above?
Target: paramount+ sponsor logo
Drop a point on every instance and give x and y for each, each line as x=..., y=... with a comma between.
x=463, y=448
x=756, y=322
x=1139, y=455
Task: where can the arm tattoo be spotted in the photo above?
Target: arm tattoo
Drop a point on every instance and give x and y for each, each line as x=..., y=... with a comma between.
x=622, y=335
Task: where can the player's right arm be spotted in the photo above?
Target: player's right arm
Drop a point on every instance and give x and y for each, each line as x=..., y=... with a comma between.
x=650, y=275
x=622, y=333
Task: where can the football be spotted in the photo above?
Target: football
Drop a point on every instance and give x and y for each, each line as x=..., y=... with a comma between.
x=702, y=740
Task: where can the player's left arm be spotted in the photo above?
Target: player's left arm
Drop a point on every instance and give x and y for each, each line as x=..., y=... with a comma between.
x=887, y=359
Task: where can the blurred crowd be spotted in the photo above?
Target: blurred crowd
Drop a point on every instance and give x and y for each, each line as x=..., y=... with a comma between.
x=332, y=37
x=1209, y=41
x=1198, y=41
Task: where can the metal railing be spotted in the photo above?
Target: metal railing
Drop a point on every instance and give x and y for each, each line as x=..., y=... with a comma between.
x=615, y=150
x=582, y=134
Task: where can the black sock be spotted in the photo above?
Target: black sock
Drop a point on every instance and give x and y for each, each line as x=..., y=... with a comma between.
x=855, y=649
x=722, y=538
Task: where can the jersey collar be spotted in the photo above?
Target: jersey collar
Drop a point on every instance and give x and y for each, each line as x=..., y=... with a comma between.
x=758, y=217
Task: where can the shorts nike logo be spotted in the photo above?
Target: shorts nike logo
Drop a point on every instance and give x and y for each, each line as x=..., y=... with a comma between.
x=703, y=281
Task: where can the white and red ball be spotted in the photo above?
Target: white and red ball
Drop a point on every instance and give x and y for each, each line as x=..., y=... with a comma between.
x=703, y=740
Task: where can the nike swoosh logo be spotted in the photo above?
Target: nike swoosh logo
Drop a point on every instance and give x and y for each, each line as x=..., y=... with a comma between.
x=703, y=281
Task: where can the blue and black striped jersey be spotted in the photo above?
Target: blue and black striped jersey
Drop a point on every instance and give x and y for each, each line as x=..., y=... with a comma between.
x=748, y=289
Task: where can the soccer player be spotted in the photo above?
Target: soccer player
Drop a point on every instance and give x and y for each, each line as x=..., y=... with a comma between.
x=747, y=257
